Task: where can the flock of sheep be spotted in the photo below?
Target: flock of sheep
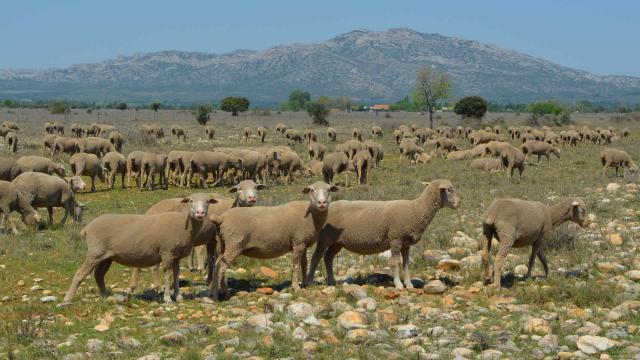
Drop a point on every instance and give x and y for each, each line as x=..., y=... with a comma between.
x=216, y=230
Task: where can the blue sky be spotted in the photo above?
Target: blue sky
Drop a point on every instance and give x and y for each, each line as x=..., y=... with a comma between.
x=596, y=36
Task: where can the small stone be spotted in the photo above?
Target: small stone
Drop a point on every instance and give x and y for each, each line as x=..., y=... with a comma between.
x=299, y=334
x=150, y=357
x=473, y=261
x=615, y=239
x=299, y=310
x=352, y=320
x=416, y=349
x=368, y=304
x=435, y=287
x=354, y=291
x=435, y=331
x=268, y=272
x=491, y=354
x=548, y=343
x=116, y=299
x=260, y=320
x=520, y=270
x=462, y=352
x=310, y=346
x=405, y=331
x=312, y=321
x=264, y=290
x=20, y=283
x=634, y=275
x=536, y=326
x=173, y=337
x=94, y=345
x=432, y=257
x=613, y=187
x=129, y=342
x=48, y=299
x=359, y=336
x=594, y=344
x=329, y=290
x=387, y=317
x=448, y=265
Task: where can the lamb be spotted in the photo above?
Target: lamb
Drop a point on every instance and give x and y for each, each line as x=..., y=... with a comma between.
x=114, y=163
x=42, y=190
x=376, y=131
x=40, y=164
x=12, y=140
x=361, y=163
x=370, y=227
x=87, y=165
x=616, y=159
x=246, y=134
x=209, y=132
x=262, y=134
x=134, y=167
x=270, y=232
x=540, y=148
x=11, y=199
x=153, y=164
x=178, y=132
x=160, y=239
x=334, y=164
x=512, y=158
x=357, y=134
x=332, y=134
x=486, y=164
x=116, y=139
x=460, y=155
x=9, y=169
x=518, y=223
x=316, y=150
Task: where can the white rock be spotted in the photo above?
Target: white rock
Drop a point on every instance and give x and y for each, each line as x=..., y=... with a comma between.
x=594, y=344
x=48, y=299
x=613, y=187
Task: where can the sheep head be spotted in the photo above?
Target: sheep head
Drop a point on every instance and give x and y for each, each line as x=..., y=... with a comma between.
x=198, y=205
x=245, y=191
x=320, y=194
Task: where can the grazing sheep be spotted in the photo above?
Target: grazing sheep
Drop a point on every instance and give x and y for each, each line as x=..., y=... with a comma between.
x=159, y=239
x=606, y=136
x=95, y=145
x=40, y=164
x=625, y=133
x=11, y=199
x=512, y=158
x=4, y=131
x=12, y=140
x=49, y=144
x=177, y=164
x=494, y=147
x=315, y=167
x=310, y=135
x=483, y=137
x=104, y=129
x=361, y=163
x=77, y=130
x=334, y=164
x=153, y=164
x=316, y=150
x=422, y=158
x=293, y=136
x=204, y=162
x=48, y=191
x=58, y=128
x=262, y=134
x=370, y=227
x=11, y=125
x=617, y=159
x=404, y=129
x=409, y=148
x=114, y=163
x=376, y=150
x=281, y=128
x=290, y=162
x=540, y=148
x=486, y=164
x=460, y=155
x=352, y=146
x=246, y=134
x=9, y=169
x=87, y=165
x=49, y=128
x=376, y=131
x=480, y=150
x=270, y=232
x=518, y=223
x=178, y=132
x=332, y=134
x=397, y=134
x=357, y=134
x=64, y=145
x=116, y=139
x=134, y=167
x=209, y=132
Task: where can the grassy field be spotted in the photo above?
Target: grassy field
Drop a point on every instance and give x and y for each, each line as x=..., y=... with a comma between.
x=37, y=264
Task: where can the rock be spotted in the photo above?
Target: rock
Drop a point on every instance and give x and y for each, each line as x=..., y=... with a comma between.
x=299, y=310
x=435, y=331
x=473, y=261
x=405, y=331
x=615, y=239
x=589, y=329
x=354, y=291
x=432, y=257
x=387, y=317
x=435, y=287
x=359, y=336
x=94, y=345
x=613, y=187
x=415, y=349
x=150, y=357
x=20, y=283
x=48, y=299
x=368, y=304
x=129, y=342
x=463, y=240
x=594, y=344
x=116, y=299
x=329, y=290
x=491, y=354
x=448, y=265
x=234, y=341
x=627, y=308
x=520, y=270
x=309, y=346
x=462, y=352
x=609, y=267
x=536, y=326
x=634, y=275
x=353, y=320
x=264, y=290
x=312, y=321
x=260, y=320
x=75, y=356
x=300, y=334
x=173, y=337
x=548, y=343
x=458, y=252
x=269, y=272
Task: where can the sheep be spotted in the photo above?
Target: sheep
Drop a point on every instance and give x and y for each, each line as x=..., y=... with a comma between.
x=361, y=163
x=104, y=129
x=159, y=239
x=293, y=136
x=332, y=134
x=422, y=158
x=40, y=164
x=254, y=165
x=357, y=134
x=376, y=131
x=87, y=165
x=262, y=134
x=12, y=140
x=315, y=167
x=9, y=169
x=625, y=133
x=518, y=223
x=334, y=164
x=397, y=135
x=134, y=167
x=11, y=199
x=246, y=134
x=512, y=158
x=178, y=132
x=606, y=136
x=42, y=190
x=48, y=144
x=209, y=132
x=77, y=130
x=482, y=137
x=616, y=159
x=403, y=129
x=352, y=146
x=58, y=128
x=290, y=162
x=177, y=165
x=270, y=232
x=116, y=139
x=486, y=164
x=494, y=147
x=153, y=164
x=409, y=148
x=540, y=148
x=95, y=145
x=64, y=145
x=310, y=135
x=370, y=227
x=316, y=150
x=4, y=131
x=281, y=128
x=203, y=162
x=48, y=128
x=114, y=163
x=376, y=150
x=480, y=150
x=11, y=125
x=460, y=155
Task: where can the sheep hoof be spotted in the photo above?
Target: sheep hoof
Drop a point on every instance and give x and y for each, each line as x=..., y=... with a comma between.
x=408, y=286
x=399, y=286
x=167, y=300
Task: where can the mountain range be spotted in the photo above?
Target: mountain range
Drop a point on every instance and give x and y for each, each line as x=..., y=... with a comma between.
x=367, y=65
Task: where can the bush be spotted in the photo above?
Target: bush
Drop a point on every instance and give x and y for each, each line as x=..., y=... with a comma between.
x=471, y=106
x=59, y=107
x=234, y=104
x=318, y=110
x=202, y=114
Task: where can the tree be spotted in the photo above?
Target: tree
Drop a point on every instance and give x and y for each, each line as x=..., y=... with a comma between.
x=121, y=106
x=344, y=103
x=59, y=107
x=155, y=106
x=234, y=104
x=298, y=100
x=553, y=112
x=202, y=114
x=471, y=106
x=430, y=87
x=318, y=110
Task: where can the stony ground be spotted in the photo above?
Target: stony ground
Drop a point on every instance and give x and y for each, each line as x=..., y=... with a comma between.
x=587, y=308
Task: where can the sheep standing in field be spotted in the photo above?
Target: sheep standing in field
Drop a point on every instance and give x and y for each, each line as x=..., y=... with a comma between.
x=63, y=145
x=292, y=136
x=310, y=135
x=9, y=169
x=371, y=227
x=376, y=150
x=116, y=139
x=159, y=239
x=281, y=128
x=48, y=144
x=95, y=145
x=519, y=223
x=178, y=132
x=361, y=163
x=40, y=164
x=376, y=131
x=77, y=130
x=357, y=134
x=11, y=125
x=87, y=165
x=617, y=159
x=153, y=164
x=48, y=191
x=270, y=232
x=316, y=150
x=12, y=141
x=246, y=134
x=209, y=132
x=49, y=128
x=625, y=133
x=334, y=164
x=397, y=134
x=540, y=148
x=332, y=134
x=409, y=147
x=114, y=163
x=512, y=158
x=11, y=199
x=290, y=163
x=134, y=167
x=459, y=155
x=262, y=134
x=486, y=164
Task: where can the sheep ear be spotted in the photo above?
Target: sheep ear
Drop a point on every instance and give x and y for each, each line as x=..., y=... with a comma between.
x=443, y=187
x=233, y=189
x=306, y=190
x=212, y=201
x=575, y=203
x=261, y=186
x=425, y=183
x=334, y=188
x=185, y=200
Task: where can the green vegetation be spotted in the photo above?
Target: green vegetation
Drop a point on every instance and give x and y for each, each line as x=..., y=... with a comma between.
x=471, y=106
x=298, y=100
x=430, y=87
x=59, y=107
x=202, y=114
x=234, y=104
x=318, y=110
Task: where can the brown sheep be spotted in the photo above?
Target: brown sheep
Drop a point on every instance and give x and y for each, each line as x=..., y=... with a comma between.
x=11, y=125
x=357, y=134
x=262, y=134
x=459, y=155
x=77, y=130
x=512, y=158
x=310, y=135
x=87, y=165
x=281, y=128
x=49, y=144
x=334, y=164
x=114, y=163
x=178, y=132
x=446, y=144
x=293, y=136
x=12, y=140
x=376, y=131
x=116, y=139
x=11, y=199
x=376, y=150
x=486, y=164
x=209, y=132
x=397, y=134
x=540, y=148
x=361, y=163
x=518, y=223
x=40, y=164
x=9, y=169
x=134, y=167
x=64, y=145
x=617, y=159
x=332, y=134
x=95, y=145
x=153, y=164
x=316, y=150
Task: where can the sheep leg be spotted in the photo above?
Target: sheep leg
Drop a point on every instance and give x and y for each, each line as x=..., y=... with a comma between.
x=93, y=184
x=486, y=251
x=50, y=212
x=297, y=260
x=175, y=267
x=303, y=267
x=543, y=260
x=165, y=265
x=405, y=265
x=396, y=258
x=506, y=242
x=222, y=264
x=329, y=255
x=84, y=270
x=135, y=277
x=315, y=260
x=99, y=273
x=122, y=179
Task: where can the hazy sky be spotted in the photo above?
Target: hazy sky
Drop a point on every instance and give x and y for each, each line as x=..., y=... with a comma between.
x=598, y=36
